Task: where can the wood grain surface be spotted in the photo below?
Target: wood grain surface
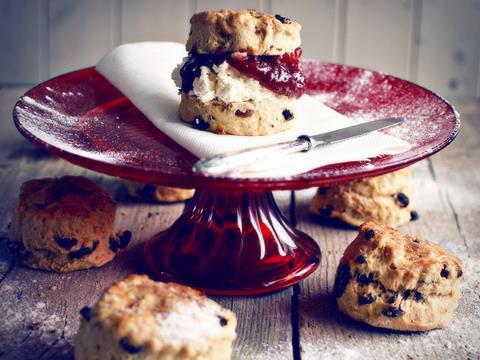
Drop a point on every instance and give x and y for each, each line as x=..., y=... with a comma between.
x=39, y=310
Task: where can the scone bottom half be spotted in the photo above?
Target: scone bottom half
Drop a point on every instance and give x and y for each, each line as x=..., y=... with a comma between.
x=144, y=319
x=231, y=82
x=391, y=280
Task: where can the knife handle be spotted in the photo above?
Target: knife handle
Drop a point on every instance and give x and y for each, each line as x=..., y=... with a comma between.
x=226, y=163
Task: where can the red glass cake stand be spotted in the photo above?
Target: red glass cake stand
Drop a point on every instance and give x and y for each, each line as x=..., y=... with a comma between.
x=231, y=238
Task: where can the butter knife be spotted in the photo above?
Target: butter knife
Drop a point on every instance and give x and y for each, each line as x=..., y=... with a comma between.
x=228, y=162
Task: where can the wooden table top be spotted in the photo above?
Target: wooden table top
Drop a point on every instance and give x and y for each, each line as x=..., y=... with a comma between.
x=39, y=310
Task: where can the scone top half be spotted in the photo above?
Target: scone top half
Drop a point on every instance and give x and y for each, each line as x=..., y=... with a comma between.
x=242, y=67
x=242, y=31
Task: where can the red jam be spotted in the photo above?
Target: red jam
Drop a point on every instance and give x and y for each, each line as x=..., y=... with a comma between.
x=280, y=74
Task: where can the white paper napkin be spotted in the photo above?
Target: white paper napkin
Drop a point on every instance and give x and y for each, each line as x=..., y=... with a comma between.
x=142, y=72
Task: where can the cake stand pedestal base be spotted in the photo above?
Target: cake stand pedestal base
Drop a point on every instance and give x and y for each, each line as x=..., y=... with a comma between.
x=232, y=243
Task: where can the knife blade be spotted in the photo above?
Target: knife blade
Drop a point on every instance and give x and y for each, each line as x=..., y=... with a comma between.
x=225, y=163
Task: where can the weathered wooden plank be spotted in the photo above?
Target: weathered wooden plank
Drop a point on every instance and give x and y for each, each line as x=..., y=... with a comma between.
x=478, y=81
x=318, y=25
x=148, y=20
x=264, y=329
x=81, y=32
x=414, y=39
x=44, y=319
x=9, y=135
x=339, y=34
x=23, y=28
x=326, y=332
x=459, y=175
x=449, y=53
x=202, y=5
x=378, y=35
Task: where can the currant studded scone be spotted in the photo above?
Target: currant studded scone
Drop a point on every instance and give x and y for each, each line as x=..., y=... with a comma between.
x=386, y=199
x=392, y=280
x=65, y=224
x=139, y=318
x=157, y=193
x=242, y=75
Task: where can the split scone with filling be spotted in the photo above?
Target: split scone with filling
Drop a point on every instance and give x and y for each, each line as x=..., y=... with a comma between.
x=242, y=75
x=139, y=318
x=391, y=280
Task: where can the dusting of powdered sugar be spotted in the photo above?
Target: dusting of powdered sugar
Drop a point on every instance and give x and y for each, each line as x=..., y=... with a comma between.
x=264, y=351
x=47, y=108
x=49, y=99
x=312, y=352
x=365, y=95
x=48, y=123
x=31, y=322
x=190, y=323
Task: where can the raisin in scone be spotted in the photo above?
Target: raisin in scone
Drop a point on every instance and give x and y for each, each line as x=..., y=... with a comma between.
x=392, y=280
x=150, y=192
x=139, y=318
x=65, y=224
x=385, y=198
x=242, y=75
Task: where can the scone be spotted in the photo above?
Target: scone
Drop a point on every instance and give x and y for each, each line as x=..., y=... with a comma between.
x=65, y=224
x=392, y=280
x=385, y=198
x=139, y=318
x=242, y=75
x=158, y=193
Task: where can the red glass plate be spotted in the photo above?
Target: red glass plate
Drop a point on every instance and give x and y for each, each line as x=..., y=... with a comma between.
x=81, y=117
x=231, y=238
